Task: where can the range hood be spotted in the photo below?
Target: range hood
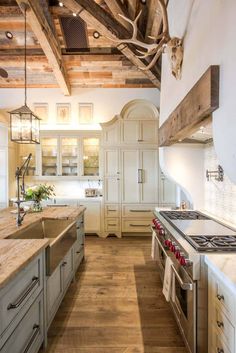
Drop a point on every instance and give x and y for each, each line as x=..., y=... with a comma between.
x=203, y=135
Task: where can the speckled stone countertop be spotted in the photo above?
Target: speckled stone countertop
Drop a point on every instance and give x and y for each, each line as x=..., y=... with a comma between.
x=8, y=220
x=15, y=254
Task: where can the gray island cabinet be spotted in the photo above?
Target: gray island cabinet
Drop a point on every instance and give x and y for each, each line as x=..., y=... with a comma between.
x=29, y=298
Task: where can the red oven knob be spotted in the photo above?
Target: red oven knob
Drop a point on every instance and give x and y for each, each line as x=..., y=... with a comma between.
x=177, y=254
x=182, y=261
x=172, y=248
x=167, y=243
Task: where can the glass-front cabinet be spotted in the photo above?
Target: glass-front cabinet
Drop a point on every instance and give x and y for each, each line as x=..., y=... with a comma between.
x=68, y=155
x=91, y=156
x=49, y=150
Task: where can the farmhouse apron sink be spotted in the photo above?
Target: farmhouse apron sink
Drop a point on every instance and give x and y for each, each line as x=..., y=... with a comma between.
x=61, y=234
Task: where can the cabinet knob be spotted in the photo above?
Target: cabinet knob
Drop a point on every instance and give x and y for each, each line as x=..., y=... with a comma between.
x=220, y=323
x=64, y=263
x=219, y=350
x=220, y=297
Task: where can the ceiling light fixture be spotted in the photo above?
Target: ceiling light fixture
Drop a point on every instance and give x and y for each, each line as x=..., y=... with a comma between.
x=9, y=35
x=74, y=14
x=143, y=2
x=61, y=3
x=3, y=73
x=96, y=35
x=24, y=124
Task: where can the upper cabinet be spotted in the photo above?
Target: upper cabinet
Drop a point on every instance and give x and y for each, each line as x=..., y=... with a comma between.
x=136, y=125
x=64, y=154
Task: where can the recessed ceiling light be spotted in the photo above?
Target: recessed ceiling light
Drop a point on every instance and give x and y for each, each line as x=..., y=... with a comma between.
x=96, y=34
x=143, y=2
x=74, y=14
x=9, y=35
x=61, y=3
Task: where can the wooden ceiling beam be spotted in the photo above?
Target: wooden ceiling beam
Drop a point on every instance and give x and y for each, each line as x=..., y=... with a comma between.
x=116, y=8
x=42, y=30
x=108, y=26
x=154, y=20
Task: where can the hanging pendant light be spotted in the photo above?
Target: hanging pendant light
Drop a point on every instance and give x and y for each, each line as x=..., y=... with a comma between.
x=24, y=124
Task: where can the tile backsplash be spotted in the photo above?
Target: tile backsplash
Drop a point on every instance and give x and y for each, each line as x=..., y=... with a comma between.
x=220, y=197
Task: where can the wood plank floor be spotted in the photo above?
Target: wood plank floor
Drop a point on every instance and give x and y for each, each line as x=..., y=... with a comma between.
x=116, y=303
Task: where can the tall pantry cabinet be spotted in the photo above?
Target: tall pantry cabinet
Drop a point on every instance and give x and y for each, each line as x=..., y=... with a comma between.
x=130, y=158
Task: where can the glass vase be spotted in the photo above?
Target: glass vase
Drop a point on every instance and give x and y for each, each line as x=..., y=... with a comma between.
x=37, y=207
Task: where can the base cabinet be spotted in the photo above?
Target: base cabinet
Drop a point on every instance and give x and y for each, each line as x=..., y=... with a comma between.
x=58, y=282
x=221, y=316
x=22, y=310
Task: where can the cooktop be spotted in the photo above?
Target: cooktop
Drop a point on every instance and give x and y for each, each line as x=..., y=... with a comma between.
x=202, y=232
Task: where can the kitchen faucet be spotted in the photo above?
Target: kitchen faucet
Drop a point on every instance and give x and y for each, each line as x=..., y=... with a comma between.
x=20, y=173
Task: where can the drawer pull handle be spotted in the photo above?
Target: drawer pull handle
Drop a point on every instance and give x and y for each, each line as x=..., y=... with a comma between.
x=220, y=297
x=140, y=210
x=139, y=225
x=112, y=224
x=112, y=210
x=220, y=323
x=220, y=350
x=77, y=252
x=36, y=330
x=24, y=295
x=64, y=263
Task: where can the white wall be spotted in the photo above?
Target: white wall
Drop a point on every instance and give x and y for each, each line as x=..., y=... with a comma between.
x=106, y=102
x=220, y=197
x=185, y=164
x=209, y=40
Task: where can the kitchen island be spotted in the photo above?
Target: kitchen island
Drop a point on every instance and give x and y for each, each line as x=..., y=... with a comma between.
x=29, y=295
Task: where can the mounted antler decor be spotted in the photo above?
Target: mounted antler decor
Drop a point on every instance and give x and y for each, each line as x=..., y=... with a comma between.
x=173, y=45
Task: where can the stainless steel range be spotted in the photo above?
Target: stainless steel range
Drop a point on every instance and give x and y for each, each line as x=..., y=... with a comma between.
x=184, y=237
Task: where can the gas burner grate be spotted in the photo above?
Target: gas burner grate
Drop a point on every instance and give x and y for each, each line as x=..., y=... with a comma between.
x=214, y=242
x=182, y=215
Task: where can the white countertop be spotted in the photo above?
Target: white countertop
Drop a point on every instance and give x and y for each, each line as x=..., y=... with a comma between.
x=223, y=265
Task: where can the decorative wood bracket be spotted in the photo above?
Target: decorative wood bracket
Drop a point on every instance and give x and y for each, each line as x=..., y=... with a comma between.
x=194, y=110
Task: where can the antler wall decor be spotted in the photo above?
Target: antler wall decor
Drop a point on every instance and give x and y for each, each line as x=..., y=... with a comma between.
x=172, y=45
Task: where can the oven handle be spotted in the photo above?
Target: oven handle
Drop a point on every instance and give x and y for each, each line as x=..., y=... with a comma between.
x=183, y=285
x=160, y=244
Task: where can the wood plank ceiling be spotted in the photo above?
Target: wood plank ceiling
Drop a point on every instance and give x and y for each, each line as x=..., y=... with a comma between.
x=50, y=63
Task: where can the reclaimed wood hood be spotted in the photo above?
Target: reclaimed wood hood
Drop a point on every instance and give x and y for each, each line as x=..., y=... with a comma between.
x=194, y=110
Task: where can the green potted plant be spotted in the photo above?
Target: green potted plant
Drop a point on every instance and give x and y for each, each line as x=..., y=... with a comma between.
x=38, y=193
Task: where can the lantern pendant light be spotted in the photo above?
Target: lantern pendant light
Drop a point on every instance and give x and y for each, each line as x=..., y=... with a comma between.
x=24, y=124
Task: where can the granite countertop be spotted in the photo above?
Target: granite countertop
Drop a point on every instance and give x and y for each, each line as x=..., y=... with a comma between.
x=8, y=220
x=17, y=253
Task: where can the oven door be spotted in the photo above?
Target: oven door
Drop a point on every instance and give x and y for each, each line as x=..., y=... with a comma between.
x=183, y=301
x=159, y=253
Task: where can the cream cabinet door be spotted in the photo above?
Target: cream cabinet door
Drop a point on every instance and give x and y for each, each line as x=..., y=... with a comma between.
x=111, y=134
x=130, y=131
x=149, y=176
x=167, y=190
x=111, y=162
x=130, y=176
x=92, y=216
x=148, y=131
x=112, y=190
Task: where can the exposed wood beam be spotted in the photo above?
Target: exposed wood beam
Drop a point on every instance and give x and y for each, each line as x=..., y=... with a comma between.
x=154, y=21
x=9, y=11
x=48, y=42
x=96, y=17
x=116, y=8
x=21, y=52
x=194, y=110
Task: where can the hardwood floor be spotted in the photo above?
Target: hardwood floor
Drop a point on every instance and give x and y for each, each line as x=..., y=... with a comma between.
x=115, y=304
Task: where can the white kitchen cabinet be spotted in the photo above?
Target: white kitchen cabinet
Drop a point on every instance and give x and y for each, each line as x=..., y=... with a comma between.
x=92, y=217
x=139, y=176
x=167, y=191
x=130, y=167
x=221, y=315
x=139, y=131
